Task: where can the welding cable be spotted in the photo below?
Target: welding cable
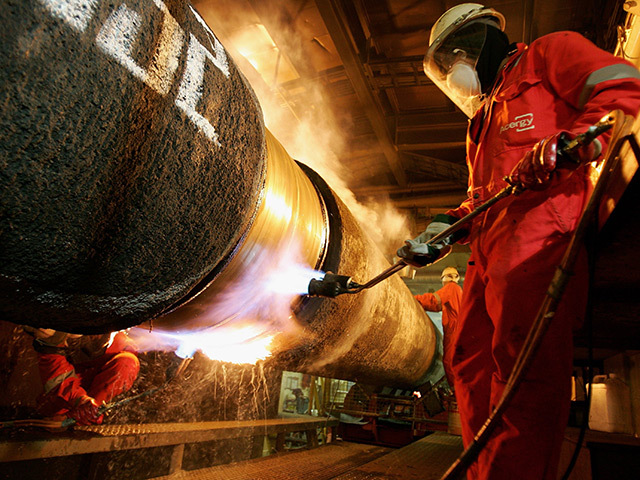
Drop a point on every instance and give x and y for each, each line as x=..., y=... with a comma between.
x=69, y=422
x=588, y=327
x=550, y=303
x=591, y=250
x=587, y=407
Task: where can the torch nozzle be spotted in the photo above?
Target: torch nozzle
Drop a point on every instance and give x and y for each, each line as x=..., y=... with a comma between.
x=332, y=285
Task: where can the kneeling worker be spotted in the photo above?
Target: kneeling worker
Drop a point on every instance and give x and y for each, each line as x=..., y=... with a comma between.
x=81, y=372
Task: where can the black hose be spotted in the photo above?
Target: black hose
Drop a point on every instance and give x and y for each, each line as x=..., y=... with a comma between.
x=591, y=249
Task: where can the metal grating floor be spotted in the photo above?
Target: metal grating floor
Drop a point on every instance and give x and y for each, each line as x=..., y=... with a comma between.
x=322, y=463
x=427, y=458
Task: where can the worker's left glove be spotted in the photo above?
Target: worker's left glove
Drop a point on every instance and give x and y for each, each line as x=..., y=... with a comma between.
x=418, y=253
x=86, y=412
x=535, y=170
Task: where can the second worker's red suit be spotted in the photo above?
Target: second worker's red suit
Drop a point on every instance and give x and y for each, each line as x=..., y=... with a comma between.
x=447, y=301
x=561, y=82
x=73, y=367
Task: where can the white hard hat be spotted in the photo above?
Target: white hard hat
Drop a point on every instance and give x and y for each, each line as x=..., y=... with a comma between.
x=459, y=15
x=453, y=52
x=451, y=274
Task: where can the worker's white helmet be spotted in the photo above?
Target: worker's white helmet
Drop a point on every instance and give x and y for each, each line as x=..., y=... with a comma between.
x=450, y=274
x=455, y=45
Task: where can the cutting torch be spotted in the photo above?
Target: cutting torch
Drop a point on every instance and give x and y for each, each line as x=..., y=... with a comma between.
x=333, y=284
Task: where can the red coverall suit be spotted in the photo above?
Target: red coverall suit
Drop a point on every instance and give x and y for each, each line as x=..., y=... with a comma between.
x=561, y=82
x=447, y=301
x=73, y=367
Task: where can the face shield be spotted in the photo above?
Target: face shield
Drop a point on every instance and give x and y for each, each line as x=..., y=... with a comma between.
x=451, y=62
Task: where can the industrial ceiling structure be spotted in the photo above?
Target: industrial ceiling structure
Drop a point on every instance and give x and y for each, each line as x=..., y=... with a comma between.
x=359, y=62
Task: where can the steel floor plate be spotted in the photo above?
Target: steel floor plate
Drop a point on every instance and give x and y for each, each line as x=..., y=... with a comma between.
x=427, y=459
x=322, y=463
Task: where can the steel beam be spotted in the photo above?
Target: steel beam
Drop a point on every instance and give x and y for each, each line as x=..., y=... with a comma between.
x=336, y=26
x=442, y=169
x=412, y=147
x=452, y=200
x=372, y=191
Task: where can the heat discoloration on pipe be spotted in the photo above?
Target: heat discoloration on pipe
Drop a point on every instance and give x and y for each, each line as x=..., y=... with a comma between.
x=378, y=336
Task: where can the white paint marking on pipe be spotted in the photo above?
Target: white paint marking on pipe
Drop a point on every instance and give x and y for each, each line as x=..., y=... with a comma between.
x=116, y=38
x=191, y=87
x=76, y=13
x=119, y=33
x=218, y=52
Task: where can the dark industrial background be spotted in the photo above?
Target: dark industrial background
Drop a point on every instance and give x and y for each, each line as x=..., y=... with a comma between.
x=351, y=71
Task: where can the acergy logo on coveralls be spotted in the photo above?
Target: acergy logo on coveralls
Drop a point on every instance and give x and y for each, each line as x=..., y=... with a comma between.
x=521, y=123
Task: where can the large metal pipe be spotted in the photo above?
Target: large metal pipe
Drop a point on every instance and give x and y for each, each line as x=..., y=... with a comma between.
x=132, y=157
x=380, y=336
x=138, y=182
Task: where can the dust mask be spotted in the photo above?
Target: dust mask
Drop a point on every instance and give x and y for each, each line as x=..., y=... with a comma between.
x=463, y=79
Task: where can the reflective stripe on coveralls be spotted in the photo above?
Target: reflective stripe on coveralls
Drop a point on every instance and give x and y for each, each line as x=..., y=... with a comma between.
x=102, y=378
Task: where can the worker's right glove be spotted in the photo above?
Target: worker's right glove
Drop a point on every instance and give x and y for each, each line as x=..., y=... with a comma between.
x=534, y=171
x=86, y=412
x=417, y=253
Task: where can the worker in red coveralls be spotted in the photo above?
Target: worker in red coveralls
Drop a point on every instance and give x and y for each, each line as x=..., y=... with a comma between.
x=447, y=301
x=79, y=373
x=524, y=102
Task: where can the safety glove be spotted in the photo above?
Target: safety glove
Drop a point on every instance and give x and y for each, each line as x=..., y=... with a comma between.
x=534, y=171
x=417, y=253
x=86, y=412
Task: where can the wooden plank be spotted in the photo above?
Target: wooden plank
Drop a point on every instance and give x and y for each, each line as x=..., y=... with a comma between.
x=176, y=459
